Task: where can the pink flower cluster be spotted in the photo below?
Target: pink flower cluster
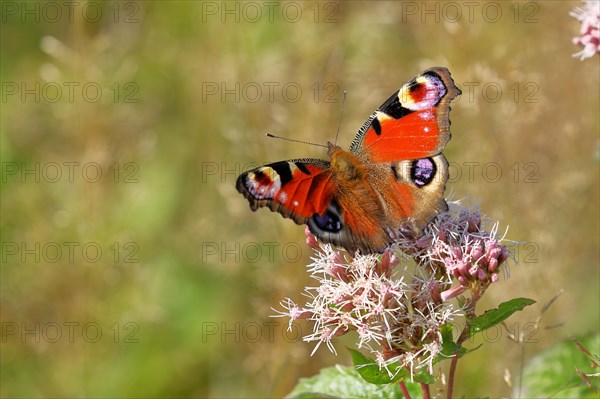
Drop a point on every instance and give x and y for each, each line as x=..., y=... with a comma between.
x=393, y=318
x=398, y=312
x=458, y=244
x=589, y=33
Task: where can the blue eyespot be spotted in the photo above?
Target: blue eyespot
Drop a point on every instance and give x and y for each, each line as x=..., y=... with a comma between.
x=423, y=171
x=328, y=222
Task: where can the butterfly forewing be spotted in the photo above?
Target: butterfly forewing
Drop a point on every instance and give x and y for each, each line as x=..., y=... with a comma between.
x=413, y=123
x=297, y=188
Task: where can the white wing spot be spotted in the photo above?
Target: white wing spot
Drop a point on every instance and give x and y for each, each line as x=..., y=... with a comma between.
x=427, y=115
x=261, y=191
x=282, y=197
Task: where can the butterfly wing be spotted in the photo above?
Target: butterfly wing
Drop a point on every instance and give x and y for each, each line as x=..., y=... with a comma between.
x=420, y=184
x=298, y=189
x=369, y=211
x=400, y=145
x=304, y=191
x=413, y=123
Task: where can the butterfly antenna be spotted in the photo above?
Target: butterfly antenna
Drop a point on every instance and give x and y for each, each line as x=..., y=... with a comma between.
x=341, y=115
x=295, y=141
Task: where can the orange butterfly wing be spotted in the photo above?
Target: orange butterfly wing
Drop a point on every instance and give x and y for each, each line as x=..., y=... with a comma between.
x=298, y=189
x=400, y=145
x=413, y=123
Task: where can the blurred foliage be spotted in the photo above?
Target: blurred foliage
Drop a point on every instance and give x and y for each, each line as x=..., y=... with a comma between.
x=553, y=373
x=346, y=382
x=188, y=288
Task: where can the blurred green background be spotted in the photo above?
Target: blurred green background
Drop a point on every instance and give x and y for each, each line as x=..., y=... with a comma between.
x=154, y=278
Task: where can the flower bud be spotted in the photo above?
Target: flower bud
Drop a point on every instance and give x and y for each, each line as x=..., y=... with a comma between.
x=336, y=270
x=477, y=251
x=482, y=275
x=474, y=271
x=452, y=292
x=456, y=252
x=493, y=265
x=388, y=261
x=463, y=268
x=311, y=240
x=503, y=255
x=424, y=242
x=473, y=222
x=434, y=291
x=494, y=253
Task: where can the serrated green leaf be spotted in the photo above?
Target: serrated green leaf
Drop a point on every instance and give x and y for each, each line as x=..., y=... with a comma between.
x=346, y=382
x=495, y=316
x=370, y=371
x=553, y=374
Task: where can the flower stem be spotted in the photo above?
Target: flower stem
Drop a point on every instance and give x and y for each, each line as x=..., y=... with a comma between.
x=470, y=311
x=451, y=376
x=404, y=390
x=425, y=390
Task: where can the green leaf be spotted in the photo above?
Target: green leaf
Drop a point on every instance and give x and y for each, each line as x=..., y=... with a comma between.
x=424, y=377
x=449, y=347
x=346, y=382
x=553, y=373
x=370, y=371
x=495, y=316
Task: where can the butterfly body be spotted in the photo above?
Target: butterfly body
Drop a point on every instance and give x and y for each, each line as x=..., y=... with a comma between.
x=393, y=174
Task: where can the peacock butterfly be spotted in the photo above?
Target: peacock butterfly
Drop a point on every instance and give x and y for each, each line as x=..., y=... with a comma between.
x=395, y=172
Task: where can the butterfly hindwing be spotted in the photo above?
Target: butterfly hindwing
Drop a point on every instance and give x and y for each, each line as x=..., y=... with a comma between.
x=413, y=123
x=424, y=182
x=408, y=193
x=298, y=188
